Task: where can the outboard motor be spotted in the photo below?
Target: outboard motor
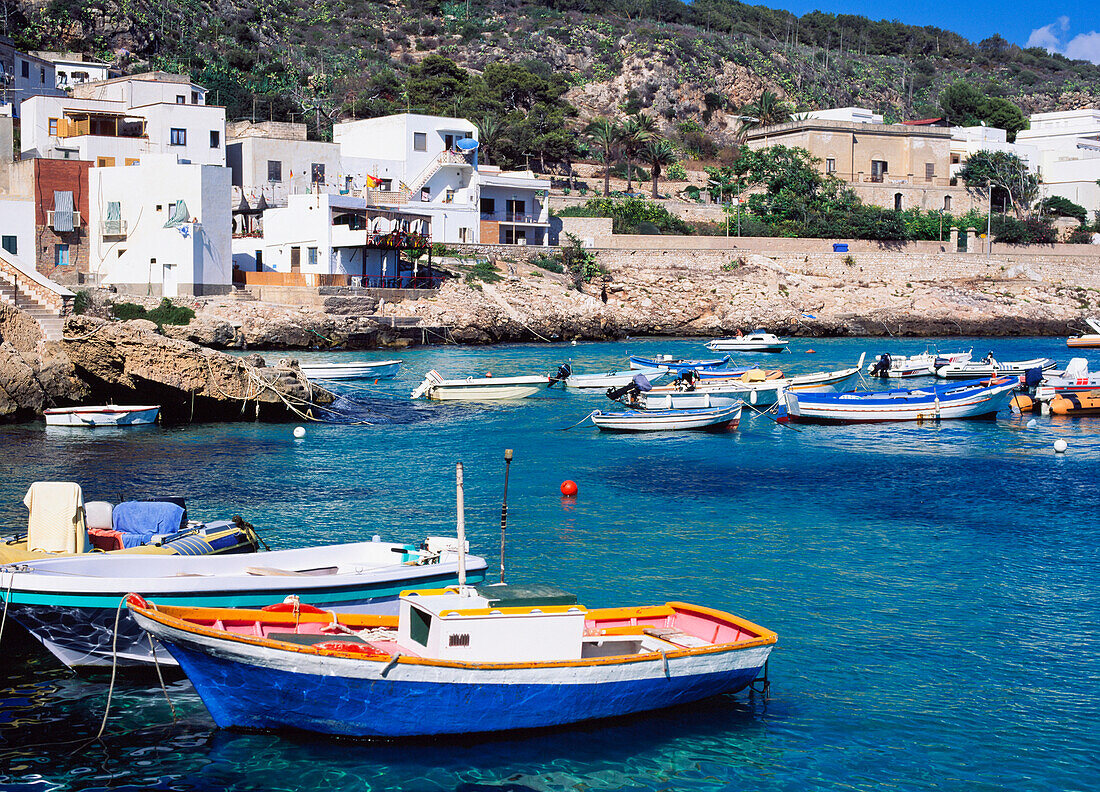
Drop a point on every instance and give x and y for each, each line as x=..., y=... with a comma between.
x=632, y=389
x=565, y=371
x=1032, y=377
x=882, y=366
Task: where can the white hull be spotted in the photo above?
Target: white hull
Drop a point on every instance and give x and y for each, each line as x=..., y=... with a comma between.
x=759, y=393
x=382, y=369
x=612, y=380
x=672, y=420
x=102, y=416
x=747, y=345
x=479, y=389
x=977, y=370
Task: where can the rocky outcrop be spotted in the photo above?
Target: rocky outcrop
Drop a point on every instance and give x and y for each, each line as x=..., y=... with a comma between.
x=130, y=362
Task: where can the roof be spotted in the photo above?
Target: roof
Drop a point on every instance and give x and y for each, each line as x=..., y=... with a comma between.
x=923, y=122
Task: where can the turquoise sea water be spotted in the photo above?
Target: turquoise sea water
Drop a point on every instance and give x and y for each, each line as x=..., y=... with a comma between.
x=934, y=587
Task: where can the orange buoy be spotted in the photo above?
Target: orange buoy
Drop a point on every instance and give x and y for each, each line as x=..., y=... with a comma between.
x=811, y=351
x=569, y=488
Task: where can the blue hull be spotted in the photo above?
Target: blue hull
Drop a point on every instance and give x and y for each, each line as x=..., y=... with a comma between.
x=247, y=696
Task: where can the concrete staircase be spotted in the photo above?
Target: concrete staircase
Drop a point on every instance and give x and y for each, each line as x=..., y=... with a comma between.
x=34, y=294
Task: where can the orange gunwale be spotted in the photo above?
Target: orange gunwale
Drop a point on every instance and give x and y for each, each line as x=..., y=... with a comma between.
x=167, y=617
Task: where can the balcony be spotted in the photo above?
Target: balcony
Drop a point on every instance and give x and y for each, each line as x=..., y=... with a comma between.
x=101, y=126
x=113, y=228
x=456, y=158
x=50, y=219
x=515, y=217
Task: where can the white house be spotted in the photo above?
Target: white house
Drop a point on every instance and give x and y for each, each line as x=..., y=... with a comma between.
x=161, y=228
x=73, y=68
x=853, y=115
x=966, y=141
x=123, y=120
x=320, y=234
x=23, y=75
x=1068, y=143
x=17, y=229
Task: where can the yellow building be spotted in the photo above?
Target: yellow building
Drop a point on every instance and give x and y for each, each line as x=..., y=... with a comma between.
x=897, y=166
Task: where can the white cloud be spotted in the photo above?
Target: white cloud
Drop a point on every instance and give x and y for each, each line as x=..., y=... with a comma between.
x=1084, y=46
x=1052, y=38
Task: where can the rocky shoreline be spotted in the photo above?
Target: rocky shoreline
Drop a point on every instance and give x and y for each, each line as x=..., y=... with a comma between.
x=102, y=362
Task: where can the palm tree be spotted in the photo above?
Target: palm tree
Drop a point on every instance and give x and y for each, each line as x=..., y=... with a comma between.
x=490, y=136
x=659, y=153
x=635, y=132
x=767, y=110
x=603, y=134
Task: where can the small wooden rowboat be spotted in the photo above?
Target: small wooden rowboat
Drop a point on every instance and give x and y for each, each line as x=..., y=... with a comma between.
x=757, y=341
x=454, y=661
x=973, y=399
x=107, y=415
x=712, y=418
x=436, y=387
x=362, y=369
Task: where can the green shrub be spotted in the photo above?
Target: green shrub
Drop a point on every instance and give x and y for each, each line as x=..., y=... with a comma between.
x=628, y=213
x=126, y=311
x=550, y=263
x=483, y=271
x=1081, y=235
x=169, y=314
x=676, y=172
x=80, y=302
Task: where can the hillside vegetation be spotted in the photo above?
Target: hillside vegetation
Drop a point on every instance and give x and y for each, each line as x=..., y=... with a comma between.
x=542, y=69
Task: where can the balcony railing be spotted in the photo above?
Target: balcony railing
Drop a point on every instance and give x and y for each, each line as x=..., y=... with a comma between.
x=513, y=217
x=456, y=158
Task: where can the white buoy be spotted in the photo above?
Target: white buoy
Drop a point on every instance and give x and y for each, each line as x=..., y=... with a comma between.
x=1060, y=446
x=1031, y=424
x=299, y=432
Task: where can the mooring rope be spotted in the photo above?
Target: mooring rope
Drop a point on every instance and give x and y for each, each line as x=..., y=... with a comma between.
x=582, y=420
x=160, y=677
x=114, y=670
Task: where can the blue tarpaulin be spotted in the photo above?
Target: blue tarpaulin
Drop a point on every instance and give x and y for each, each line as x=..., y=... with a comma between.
x=137, y=521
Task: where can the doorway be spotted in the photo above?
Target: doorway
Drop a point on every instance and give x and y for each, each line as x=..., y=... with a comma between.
x=169, y=286
x=295, y=259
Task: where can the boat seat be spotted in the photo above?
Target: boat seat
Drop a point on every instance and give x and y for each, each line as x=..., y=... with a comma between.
x=56, y=520
x=97, y=514
x=309, y=639
x=272, y=571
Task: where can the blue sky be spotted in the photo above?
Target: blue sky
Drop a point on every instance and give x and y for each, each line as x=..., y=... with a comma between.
x=1071, y=27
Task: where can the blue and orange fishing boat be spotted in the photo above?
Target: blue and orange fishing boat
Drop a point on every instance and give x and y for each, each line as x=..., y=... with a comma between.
x=457, y=660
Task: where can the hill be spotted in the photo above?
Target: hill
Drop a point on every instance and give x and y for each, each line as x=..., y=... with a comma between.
x=562, y=61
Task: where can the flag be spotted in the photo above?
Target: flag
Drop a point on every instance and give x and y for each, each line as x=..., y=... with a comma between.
x=373, y=181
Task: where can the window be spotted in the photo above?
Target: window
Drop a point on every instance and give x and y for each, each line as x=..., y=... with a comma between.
x=311, y=256
x=274, y=171
x=53, y=127
x=897, y=202
x=194, y=97
x=10, y=244
x=215, y=138
x=104, y=162
x=133, y=161
x=929, y=170
x=420, y=141
x=955, y=159
x=26, y=70
x=878, y=170
x=425, y=194
x=63, y=78
x=42, y=75
x=830, y=165
x=61, y=255
x=449, y=142
x=386, y=185
x=171, y=209
x=947, y=203
x=181, y=99
x=121, y=252
x=178, y=137
x=317, y=173
x=449, y=197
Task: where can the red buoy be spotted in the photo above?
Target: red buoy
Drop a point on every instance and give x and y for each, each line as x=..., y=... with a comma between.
x=569, y=488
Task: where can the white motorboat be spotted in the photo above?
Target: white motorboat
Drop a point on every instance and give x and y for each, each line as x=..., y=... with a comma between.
x=1075, y=378
x=69, y=604
x=903, y=367
x=108, y=415
x=1086, y=340
x=437, y=388
x=668, y=420
x=991, y=367
x=756, y=341
x=612, y=379
x=362, y=369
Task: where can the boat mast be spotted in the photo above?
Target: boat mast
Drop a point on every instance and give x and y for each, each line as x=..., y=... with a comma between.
x=461, y=528
x=504, y=509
